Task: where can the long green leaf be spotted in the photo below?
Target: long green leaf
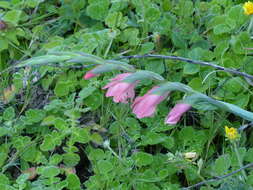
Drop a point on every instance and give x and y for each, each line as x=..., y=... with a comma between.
x=43, y=60
x=143, y=75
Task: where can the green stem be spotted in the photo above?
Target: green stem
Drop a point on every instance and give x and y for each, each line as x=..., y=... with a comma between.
x=239, y=160
x=250, y=25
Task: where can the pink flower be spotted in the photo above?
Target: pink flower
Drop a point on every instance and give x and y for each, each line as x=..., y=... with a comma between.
x=89, y=75
x=145, y=106
x=120, y=90
x=176, y=113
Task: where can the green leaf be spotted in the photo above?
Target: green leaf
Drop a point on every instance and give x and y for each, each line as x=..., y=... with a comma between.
x=196, y=84
x=234, y=85
x=9, y=114
x=35, y=115
x=85, y=92
x=61, y=124
x=241, y=100
x=4, y=180
x=114, y=19
x=81, y=135
x=142, y=159
x=156, y=66
x=55, y=159
x=30, y=154
x=82, y=57
x=13, y=17
x=250, y=180
x=111, y=65
x=240, y=42
x=186, y=8
x=4, y=44
x=178, y=40
x=236, y=13
x=221, y=29
x=249, y=155
x=71, y=159
x=49, y=171
x=98, y=9
x=147, y=48
x=96, y=138
x=198, y=98
x=130, y=35
x=73, y=182
x=62, y=89
x=191, y=69
x=153, y=138
x=196, y=54
x=45, y=59
x=222, y=164
x=4, y=150
x=96, y=154
x=104, y=166
x=172, y=86
x=143, y=75
x=48, y=143
x=5, y=4
x=94, y=101
x=49, y=120
x=152, y=13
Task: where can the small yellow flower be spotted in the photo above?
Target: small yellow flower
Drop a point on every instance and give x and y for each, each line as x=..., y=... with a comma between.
x=248, y=8
x=231, y=133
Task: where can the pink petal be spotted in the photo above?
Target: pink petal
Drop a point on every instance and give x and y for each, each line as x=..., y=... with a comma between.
x=120, y=91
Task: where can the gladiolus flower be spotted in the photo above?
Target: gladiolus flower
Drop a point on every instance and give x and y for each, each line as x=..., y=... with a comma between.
x=176, y=113
x=145, y=106
x=89, y=75
x=248, y=8
x=120, y=90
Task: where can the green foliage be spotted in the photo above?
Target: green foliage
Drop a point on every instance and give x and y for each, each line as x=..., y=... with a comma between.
x=58, y=131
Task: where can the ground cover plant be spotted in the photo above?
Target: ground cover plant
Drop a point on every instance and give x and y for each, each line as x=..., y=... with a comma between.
x=126, y=94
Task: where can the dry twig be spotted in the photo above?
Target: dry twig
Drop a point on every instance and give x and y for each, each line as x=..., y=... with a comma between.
x=203, y=63
x=218, y=178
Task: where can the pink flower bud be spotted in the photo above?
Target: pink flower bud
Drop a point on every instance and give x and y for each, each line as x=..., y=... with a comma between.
x=145, y=106
x=176, y=113
x=89, y=75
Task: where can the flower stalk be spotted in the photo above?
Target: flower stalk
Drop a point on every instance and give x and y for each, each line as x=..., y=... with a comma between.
x=239, y=159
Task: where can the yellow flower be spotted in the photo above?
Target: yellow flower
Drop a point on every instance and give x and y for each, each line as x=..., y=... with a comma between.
x=248, y=8
x=231, y=133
